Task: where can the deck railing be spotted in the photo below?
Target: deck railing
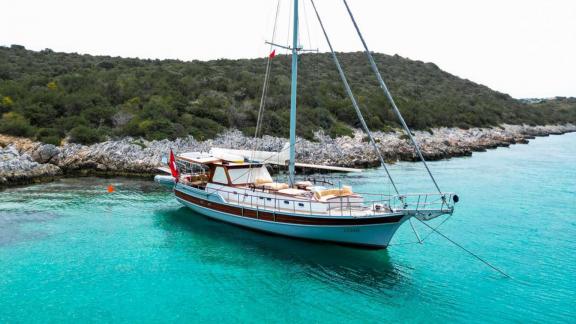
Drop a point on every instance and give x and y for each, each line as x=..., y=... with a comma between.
x=373, y=203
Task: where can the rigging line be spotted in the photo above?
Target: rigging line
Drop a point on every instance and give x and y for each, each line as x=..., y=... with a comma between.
x=463, y=248
x=414, y=230
x=437, y=227
x=263, y=100
x=267, y=76
x=389, y=96
x=307, y=25
x=314, y=54
x=265, y=86
x=427, y=235
x=289, y=24
x=421, y=241
x=353, y=99
x=403, y=243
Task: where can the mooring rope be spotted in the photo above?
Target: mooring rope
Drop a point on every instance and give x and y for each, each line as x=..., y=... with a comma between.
x=465, y=249
x=437, y=227
x=421, y=240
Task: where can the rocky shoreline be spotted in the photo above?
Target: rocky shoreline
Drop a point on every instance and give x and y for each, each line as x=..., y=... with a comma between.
x=23, y=161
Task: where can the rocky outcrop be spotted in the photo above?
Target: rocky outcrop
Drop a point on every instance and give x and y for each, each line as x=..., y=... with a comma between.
x=45, y=153
x=439, y=143
x=24, y=161
x=17, y=168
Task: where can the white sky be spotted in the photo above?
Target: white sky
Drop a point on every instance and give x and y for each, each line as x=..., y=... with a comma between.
x=524, y=48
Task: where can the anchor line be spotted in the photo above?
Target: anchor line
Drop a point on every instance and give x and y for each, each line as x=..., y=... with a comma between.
x=437, y=227
x=415, y=232
x=465, y=249
x=421, y=240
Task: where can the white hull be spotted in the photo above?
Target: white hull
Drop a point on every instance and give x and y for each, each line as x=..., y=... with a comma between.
x=306, y=218
x=375, y=236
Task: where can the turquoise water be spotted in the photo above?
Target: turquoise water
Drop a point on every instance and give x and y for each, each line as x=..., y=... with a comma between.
x=70, y=252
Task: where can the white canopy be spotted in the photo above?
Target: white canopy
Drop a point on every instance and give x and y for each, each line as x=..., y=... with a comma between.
x=278, y=158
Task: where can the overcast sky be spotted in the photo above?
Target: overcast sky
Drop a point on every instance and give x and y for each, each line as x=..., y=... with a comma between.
x=525, y=48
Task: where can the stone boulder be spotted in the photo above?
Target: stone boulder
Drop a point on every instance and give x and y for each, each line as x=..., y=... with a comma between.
x=17, y=168
x=44, y=153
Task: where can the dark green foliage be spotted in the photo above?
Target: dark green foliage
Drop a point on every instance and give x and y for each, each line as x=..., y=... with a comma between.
x=339, y=129
x=15, y=124
x=50, y=95
x=49, y=135
x=85, y=135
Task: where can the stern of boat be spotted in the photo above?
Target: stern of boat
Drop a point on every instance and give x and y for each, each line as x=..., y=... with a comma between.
x=165, y=180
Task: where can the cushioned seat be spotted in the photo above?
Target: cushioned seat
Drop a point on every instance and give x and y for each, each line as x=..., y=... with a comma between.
x=303, y=184
x=332, y=193
x=261, y=181
x=275, y=186
x=293, y=192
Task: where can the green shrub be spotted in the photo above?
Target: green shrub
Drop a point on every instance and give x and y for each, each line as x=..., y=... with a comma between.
x=85, y=135
x=15, y=124
x=339, y=129
x=54, y=140
x=49, y=136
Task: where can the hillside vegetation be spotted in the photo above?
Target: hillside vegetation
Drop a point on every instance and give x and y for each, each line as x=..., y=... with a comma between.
x=47, y=96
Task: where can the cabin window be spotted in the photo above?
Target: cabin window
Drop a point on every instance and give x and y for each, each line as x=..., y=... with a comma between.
x=220, y=175
x=238, y=176
x=261, y=197
x=269, y=199
x=301, y=204
x=286, y=202
x=249, y=175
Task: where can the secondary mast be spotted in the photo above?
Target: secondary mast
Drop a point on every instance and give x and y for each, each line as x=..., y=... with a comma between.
x=293, y=94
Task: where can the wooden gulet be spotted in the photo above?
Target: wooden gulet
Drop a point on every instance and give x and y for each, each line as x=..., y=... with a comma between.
x=235, y=186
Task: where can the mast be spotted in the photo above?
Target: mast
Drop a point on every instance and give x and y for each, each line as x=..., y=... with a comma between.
x=293, y=94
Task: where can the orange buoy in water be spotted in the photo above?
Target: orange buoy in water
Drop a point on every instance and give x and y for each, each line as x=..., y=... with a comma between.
x=110, y=188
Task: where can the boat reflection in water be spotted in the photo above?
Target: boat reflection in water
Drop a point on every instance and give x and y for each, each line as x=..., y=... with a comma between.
x=219, y=244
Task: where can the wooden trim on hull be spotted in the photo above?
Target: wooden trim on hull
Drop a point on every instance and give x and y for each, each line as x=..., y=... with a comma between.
x=284, y=218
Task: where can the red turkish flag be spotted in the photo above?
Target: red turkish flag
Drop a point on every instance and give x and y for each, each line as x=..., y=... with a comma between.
x=272, y=54
x=172, y=165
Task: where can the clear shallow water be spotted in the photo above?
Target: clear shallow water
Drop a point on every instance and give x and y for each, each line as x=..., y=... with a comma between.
x=69, y=251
